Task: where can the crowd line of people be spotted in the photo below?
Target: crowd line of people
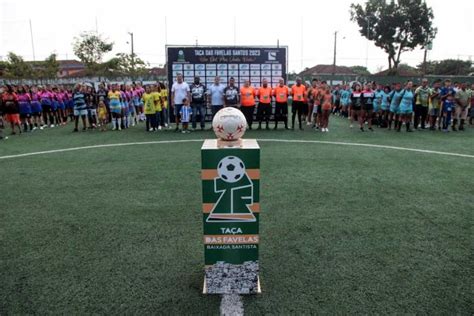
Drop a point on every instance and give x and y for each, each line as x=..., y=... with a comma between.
x=441, y=105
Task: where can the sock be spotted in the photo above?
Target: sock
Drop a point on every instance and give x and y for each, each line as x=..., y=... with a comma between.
x=408, y=126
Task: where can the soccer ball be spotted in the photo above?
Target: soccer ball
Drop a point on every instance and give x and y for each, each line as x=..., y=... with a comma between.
x=229, y=124
x=231, y=169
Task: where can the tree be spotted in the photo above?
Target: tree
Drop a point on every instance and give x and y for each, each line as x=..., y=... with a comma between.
x=17, y=68
x=131, y=64
x=122, y=65
x=395, y=26
x=90, y=48
x=47, y=69
x=360, y=70
x=448, y=67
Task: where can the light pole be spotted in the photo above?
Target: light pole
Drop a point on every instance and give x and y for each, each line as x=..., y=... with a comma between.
x=334, y=60
x=133, y=53
x=367, y=44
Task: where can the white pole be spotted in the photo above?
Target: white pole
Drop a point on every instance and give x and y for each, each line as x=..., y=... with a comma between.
x=367, y=44
x=32, y=41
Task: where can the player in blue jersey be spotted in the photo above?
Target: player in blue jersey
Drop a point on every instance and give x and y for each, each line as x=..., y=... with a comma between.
x=406, y=106
x=186, y=114
x=395, y=97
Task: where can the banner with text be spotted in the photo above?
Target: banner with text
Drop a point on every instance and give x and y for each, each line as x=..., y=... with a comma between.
x=241, y=63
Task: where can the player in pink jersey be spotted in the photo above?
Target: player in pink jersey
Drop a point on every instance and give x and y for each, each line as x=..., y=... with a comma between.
x=36, y=109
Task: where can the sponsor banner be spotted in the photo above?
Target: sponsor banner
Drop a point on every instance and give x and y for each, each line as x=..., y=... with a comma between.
x=232, y=61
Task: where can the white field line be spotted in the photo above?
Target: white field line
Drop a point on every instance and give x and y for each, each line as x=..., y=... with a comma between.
x=425, y=151
x=231, y=305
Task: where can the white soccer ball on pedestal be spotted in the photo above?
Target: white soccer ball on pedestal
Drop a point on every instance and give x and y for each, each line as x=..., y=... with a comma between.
x=231, y=169
x=229, y=124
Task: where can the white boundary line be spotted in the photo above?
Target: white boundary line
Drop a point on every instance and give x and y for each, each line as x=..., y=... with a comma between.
x=262, y=140
x=231, y=305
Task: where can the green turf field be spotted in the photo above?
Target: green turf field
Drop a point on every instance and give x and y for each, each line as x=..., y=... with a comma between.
x=344, y=229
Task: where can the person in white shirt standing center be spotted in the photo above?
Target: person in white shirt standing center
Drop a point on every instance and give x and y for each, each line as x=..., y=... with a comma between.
x=179, y=91
x=216, y=96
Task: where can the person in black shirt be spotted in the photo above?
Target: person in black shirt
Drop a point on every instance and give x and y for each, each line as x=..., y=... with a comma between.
x=368, y=96
x=198, y=102
x=356, y=103
x=231, y=94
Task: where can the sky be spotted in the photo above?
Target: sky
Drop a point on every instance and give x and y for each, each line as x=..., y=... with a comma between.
x=306, y=27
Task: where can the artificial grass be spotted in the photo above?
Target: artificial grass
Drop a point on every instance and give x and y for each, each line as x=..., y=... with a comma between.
x=343, y=229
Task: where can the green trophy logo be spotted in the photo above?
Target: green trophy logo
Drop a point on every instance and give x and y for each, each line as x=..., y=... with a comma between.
x=181, y=56
x=236, y=192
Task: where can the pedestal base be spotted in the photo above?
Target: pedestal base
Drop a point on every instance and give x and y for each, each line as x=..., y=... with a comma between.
x=204, y=289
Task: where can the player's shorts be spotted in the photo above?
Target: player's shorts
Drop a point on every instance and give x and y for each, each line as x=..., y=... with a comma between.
x=46, y=106
x=368, y=107
x=306, y=109
x=80, y=112
x=115, y=106
x=25, y=115
x=92, y=112
x=394, y=109
x=136, y=101
x=384, y=106
x=298, y=106
x=434, y=112
x=325, y=107
x=405, y=109
x=177, y=109
x=61, y=106
x=25, y=107
x=13, y=118
x=356, y=108
x=447, y=108
x=35, y=107
x=54, y=106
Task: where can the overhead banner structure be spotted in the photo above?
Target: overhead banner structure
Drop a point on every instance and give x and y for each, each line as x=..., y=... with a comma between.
x=240, y=62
